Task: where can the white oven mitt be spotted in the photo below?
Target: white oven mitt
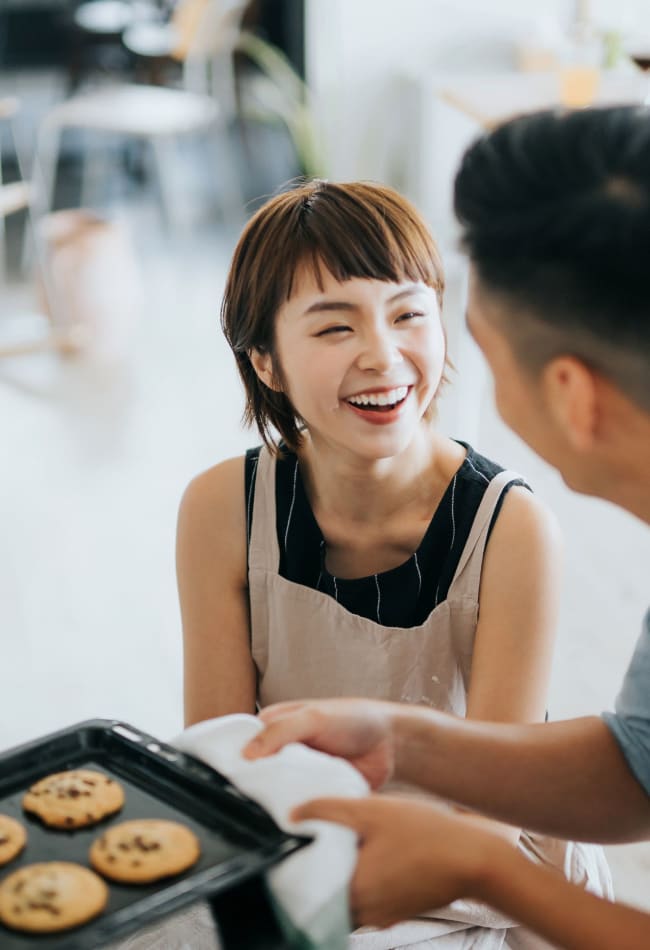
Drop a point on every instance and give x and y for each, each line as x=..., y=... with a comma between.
x=309, y=888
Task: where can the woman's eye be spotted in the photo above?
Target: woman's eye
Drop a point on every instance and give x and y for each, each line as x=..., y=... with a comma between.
x=410, y=315
x=328, y=331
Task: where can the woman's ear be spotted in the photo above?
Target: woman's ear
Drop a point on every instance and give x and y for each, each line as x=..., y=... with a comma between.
x=571, y=394
x=262, y=363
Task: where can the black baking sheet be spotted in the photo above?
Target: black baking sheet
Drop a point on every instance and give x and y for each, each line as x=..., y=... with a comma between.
x=238, y=839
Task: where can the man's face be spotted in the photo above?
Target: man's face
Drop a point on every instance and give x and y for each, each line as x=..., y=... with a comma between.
x=573, y=417
x=518, y=393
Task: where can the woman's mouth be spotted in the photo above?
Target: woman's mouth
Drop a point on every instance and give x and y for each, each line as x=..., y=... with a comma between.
x=384, y=401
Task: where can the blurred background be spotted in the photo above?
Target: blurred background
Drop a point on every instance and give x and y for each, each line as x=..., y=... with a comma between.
x=136, y=137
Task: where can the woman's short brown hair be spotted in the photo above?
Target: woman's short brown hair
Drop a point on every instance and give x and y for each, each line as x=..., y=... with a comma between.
x=355, y=229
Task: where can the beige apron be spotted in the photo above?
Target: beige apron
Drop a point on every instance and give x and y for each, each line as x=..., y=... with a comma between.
x=306, y=645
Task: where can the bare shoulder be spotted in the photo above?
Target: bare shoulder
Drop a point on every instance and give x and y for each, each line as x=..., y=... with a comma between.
x=218, y=489
x=525, y=523
x=211, y=569
x=212, y=513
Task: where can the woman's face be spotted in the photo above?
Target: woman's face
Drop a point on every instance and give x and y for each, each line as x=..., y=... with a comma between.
x=361, y=360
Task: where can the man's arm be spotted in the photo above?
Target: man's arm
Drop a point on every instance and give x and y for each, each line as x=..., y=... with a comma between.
x=563, y=913
x=414, y=856
x=568, y=778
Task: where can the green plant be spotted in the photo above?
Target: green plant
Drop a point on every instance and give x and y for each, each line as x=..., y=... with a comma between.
x=286, y=95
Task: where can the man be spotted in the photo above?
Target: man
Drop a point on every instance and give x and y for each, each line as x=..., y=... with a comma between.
x=555, y=211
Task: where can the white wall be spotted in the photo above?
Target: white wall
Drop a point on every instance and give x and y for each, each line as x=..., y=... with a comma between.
x=357, y=50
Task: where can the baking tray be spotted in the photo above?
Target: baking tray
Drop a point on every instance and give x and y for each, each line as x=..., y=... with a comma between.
x=238, y=838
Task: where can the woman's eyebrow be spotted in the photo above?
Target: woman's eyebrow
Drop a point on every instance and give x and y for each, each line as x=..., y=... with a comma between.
x=320, y=306
x=323, y=305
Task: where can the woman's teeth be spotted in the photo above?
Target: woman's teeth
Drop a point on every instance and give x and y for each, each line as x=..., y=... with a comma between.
x=380, y=400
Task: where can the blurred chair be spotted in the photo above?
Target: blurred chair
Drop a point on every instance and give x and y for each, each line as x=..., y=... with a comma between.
x=94, y=39
x=15, y=195
x=161, y=116
x=201, y=36
x=52, y=333
x=259, y=87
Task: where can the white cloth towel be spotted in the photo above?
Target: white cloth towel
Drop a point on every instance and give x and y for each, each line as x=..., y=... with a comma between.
x=311, y=886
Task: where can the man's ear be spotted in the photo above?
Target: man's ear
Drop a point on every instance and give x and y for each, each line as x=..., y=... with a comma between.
x=262, y=363
x=571, y=394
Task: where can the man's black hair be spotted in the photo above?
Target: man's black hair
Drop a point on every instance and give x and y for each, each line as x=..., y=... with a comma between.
x=555, y=216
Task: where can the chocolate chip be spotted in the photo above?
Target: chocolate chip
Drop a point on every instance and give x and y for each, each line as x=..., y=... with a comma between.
x=42, y=905
x=69, y=820
x=142, y=845
x=4, y=839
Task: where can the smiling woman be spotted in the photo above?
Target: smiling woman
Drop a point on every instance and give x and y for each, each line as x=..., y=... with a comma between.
x=356, y=356
x=291, y=246
x=361, y=553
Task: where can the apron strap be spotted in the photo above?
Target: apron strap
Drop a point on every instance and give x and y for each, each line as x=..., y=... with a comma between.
x=467, y=579
x=263, y=550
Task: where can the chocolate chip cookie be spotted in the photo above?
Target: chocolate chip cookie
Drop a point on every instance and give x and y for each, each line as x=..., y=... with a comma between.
x=51, y=896
x=12, y=838
x=140, y=851
x=74, y=799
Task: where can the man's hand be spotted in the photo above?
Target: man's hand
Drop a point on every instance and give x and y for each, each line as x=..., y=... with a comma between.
x=354, y=729
x=568, y=779
x=413, y=856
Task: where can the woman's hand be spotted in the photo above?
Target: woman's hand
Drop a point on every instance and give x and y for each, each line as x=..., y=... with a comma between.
x=413, y=856
x=354, y=729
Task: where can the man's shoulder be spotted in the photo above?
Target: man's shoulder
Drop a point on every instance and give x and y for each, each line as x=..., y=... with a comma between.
x=635, y=692
x=630, y=723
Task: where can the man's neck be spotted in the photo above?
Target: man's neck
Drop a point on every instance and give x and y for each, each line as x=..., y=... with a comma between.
x=624, y=463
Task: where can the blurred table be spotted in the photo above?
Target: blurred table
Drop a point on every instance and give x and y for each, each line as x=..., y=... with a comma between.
x=492, y=99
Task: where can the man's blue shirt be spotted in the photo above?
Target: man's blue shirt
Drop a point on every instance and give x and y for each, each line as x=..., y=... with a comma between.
x=630, y=723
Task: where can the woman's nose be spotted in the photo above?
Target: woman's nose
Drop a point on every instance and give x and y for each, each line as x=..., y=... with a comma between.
x=379, y=353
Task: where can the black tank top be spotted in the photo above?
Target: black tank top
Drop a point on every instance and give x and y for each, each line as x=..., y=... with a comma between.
x=403, y=596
